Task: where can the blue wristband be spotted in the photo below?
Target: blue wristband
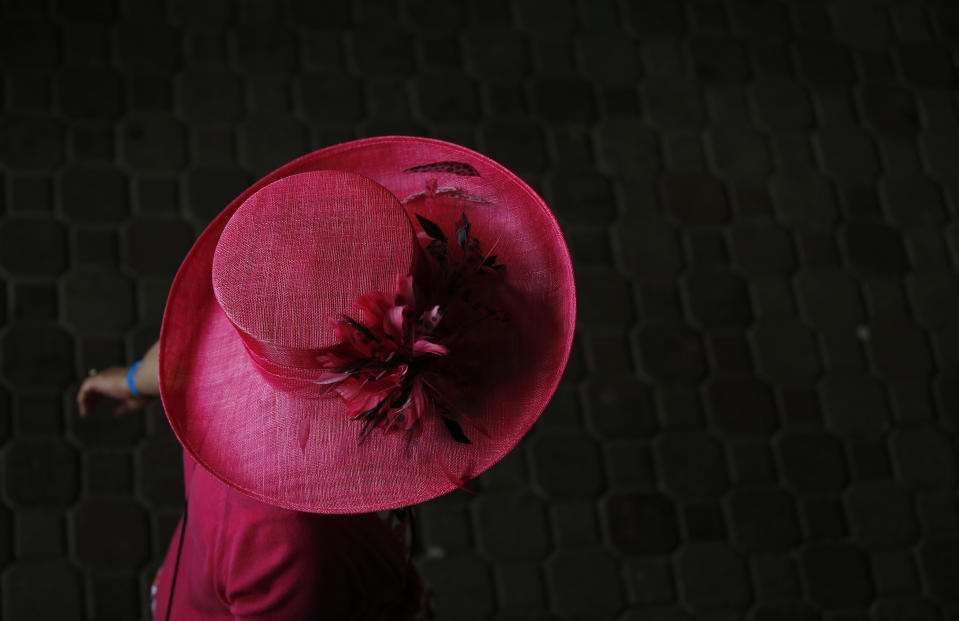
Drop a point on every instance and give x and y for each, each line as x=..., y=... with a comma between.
x=130, y=384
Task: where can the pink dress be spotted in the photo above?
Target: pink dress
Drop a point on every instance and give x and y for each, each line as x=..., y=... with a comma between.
x=244, y=559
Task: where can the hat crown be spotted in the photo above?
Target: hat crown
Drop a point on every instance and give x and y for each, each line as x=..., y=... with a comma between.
x=300, y=251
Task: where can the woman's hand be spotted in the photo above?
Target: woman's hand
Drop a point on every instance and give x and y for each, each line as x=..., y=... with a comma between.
x=111, y=382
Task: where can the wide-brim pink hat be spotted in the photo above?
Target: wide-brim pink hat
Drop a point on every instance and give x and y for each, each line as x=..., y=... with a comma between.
x=309, y=275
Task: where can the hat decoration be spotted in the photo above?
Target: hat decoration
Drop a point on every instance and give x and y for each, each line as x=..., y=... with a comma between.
x=393, y=368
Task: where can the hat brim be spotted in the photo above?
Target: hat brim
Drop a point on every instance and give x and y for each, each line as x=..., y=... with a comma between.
x=301, y=452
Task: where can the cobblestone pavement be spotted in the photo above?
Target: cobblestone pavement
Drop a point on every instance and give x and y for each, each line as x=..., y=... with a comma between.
x=759, y=417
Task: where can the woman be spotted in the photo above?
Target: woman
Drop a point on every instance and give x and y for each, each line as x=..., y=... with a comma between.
x=342, y=341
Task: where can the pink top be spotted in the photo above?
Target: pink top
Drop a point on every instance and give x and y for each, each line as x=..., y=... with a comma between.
x=243, y=559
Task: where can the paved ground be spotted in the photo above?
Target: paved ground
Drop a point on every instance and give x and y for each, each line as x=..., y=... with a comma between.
x=759, y=418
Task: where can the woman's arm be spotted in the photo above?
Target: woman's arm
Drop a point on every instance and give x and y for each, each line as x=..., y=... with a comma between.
x=112, y=382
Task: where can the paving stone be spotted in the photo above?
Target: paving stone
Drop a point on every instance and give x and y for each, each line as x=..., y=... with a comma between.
x=873, y=248
x=763, y=520
x=860, y=25
x=940, y=148
x=564, y=100
x=824, y=518
x=933, y=296
x=461, y=586
x=691, y=464
x=114, y=595
x=629, y=464
x=670, y=352
x=679, y=408
x=520, y=589
x=673, y=102
x=799, y=406
x=97, y=301
x=209, y=95
x=939, y=559
x=582, y=197
x=781, y=104
x=704, y=521
x=567, y=465
x=761, y=247
x=926, y=248
x=511, y=527
x=445, y=526
x=938, y=512
x=785, y=350
x=109, y=471
x=94, y=193
x=828, y=296
x=737, y=152
x=92, y=144
x=583, y=581
x=717, y=299
x=741, y=406
x=894, y=572
x=924, y=457
x=926, y=65
x=496, y=54
x=153, y=142
x=648, y=17
x=29, y=44
x=870, y=460
x=40, y=473
x=156, y=246
x=889, y=109
x=109, y=533
x=641, y=523
x=574, y=523
x=705, y=247
x=650, y=581
x=854, y=405
x=695, y=198
x=86, y=42
x=619, y=405
x=885, y=299
x=89, y=92
x=912, y=200
x=836, y=575
x=210, y=189
x=880, y=513
x=804, y=201
x=848, y=154
x=329, y=97
x=823, y=61
x=627, y=148
x=610, y=58
x=28, y=91
x=30, y=142
x=32, y=247
x=777, y=580
x=712, y=577
x=719, y=59
x=899, y=349
x=728, y=353
x=36, y=354
x=42, y=589
x=811, y=461
x=39, y=533
x=143, y=47
x=616, y=309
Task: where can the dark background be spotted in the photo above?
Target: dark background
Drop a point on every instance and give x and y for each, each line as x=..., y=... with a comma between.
x=759, y=416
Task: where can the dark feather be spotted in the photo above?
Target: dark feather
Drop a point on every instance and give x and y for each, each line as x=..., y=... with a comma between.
x=432, y=229
x=455, y=430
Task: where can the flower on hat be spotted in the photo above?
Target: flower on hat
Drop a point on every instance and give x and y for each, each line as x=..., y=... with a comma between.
x=392, y=369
